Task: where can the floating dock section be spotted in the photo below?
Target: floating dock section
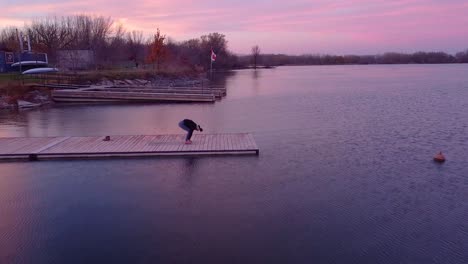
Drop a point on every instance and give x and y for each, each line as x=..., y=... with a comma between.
x=137, y=94
x=118, y=96
x=37, y=148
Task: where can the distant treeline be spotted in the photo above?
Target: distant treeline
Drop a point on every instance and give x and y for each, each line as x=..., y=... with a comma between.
x=115, y=47
x=386, y=58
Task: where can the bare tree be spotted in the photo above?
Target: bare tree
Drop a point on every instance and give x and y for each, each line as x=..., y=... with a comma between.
x=8, y=39
x=135, y=46
x=117, y=48
x=100, y=32
x=53, y=33
x=255, y=55
x=82, y=30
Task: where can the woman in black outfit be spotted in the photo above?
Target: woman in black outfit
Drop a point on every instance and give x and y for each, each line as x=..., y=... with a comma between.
x=189, y=126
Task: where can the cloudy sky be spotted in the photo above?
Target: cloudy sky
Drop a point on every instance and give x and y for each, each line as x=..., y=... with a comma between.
x=279, y=26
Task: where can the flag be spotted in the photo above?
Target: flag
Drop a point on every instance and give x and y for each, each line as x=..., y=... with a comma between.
x=213, y=55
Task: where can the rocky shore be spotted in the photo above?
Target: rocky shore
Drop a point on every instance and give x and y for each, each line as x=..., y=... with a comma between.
x=29, y=100
x=158, y=81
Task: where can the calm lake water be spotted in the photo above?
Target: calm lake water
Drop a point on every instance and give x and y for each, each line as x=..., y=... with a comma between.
x=345, y=175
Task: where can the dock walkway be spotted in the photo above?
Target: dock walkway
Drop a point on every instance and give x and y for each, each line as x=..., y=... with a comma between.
x=34, y=148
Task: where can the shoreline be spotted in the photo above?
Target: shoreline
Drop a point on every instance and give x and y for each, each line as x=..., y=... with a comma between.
x=32, y=92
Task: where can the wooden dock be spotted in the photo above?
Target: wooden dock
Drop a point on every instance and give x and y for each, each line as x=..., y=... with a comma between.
x=133, y=93
x=118, y=96
x=37, y=148
x=218, y=93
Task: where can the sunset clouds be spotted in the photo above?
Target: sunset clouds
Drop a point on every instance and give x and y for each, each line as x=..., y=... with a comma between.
x=296, y=26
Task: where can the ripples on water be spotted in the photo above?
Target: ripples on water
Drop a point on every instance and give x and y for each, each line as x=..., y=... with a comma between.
x=344, y=175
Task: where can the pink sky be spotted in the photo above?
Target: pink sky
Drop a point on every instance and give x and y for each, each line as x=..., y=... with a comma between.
x=293, y=27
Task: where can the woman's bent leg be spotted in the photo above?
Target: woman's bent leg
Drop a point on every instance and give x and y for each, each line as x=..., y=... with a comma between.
x=189, y=131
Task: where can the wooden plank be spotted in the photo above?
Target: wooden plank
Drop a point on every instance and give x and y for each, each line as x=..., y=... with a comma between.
x=225, y=142
x=228, y=142
x=148, y=142
x=169, y=143
x=250, y=143
x=173, y=143
x=222, y=143
x=207, y=141
x=130, y=145
x=138, y=145
x=231, y=142
x=253, y=145
x=203, y=141
x=30, y=144
x=135, y=144
x=92, y=144
x=218, y=142
x=73, y=144
x=51, y=144
x=236, y=142
x=243, y=141
x=143, y=143
x=163, y=143
x=10, y=145
x=180, y=141
x=212, y=142
x=158, y=143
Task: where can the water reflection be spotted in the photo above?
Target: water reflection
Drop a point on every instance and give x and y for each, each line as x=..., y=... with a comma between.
x=256, y=82
x=187, y=183
x=255, y=74
x=189, y=168
x=12, y=122
x=219, y=79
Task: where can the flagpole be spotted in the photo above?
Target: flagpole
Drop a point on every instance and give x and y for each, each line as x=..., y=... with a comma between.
x=211, y=65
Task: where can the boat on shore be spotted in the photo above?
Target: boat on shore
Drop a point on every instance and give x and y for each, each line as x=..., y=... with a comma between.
x=40, y=70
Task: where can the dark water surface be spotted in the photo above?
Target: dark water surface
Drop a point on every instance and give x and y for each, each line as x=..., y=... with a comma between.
x=345, y=175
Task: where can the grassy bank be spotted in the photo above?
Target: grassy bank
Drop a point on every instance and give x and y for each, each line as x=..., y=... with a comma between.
x=10, y=80
x=10, y=84
x=7, y=78
x=13, y=83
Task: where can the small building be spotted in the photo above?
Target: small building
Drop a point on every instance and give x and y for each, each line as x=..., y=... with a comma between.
x=6, y=60
x=13, y=61
x=75, y=59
